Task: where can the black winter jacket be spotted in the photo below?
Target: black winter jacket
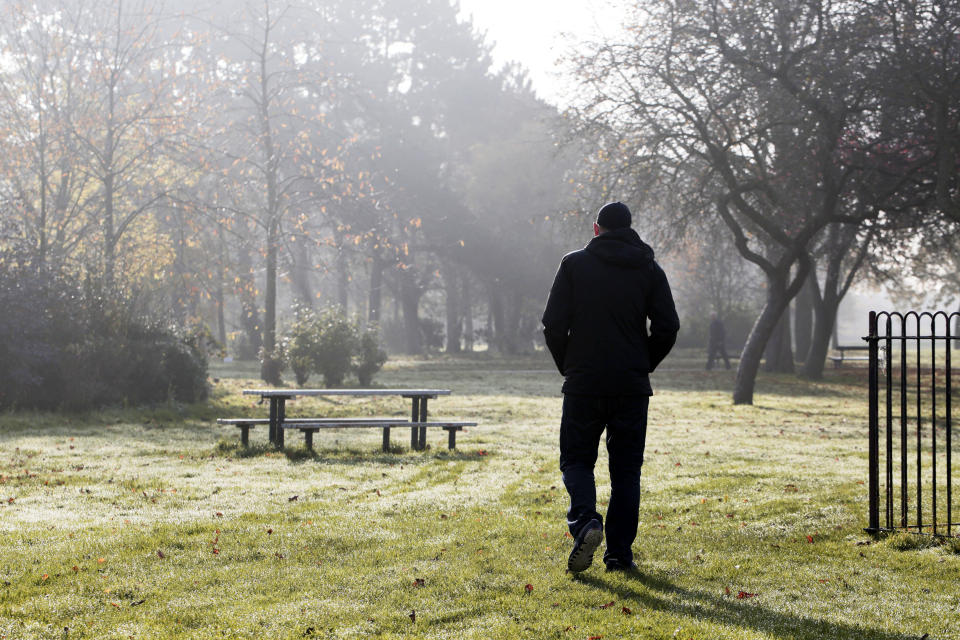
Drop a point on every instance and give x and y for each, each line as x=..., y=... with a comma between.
x=595, y=323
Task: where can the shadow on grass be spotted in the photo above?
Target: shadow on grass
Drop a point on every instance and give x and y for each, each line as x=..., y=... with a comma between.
x=658, y=595
x=349, y=456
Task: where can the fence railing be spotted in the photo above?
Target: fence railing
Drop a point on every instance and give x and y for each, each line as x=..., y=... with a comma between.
x=911, y=395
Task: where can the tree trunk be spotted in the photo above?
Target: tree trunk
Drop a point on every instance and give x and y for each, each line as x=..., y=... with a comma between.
x=376, y=290
x=779, y=294
x=249, y=313
x=221, y=320
x=498, y=330
x=268, y=363
x=514, y=315
x=760, y=334
x=109, y=243
x=410, y=294
x=778, y=353
x=827, y=301
x=824, y=325
x=270, y=295
x=467, y=313
x=343, y=276
x=803, y=318
x=219, y=294
x=453, y=306
x=301, y=271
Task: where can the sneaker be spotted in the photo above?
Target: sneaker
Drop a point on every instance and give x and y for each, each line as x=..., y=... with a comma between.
x=584, y=545
x=617, y=565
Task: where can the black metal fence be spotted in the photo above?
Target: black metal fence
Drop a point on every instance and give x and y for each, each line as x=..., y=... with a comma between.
x=912, y=390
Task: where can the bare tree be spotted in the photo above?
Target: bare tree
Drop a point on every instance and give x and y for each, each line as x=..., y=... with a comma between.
x=750, y=104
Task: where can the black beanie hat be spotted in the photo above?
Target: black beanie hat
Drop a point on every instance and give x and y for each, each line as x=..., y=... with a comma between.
x=614, y=215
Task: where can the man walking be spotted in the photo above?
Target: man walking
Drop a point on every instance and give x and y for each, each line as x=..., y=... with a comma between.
x=595, y=325
x=715, y=346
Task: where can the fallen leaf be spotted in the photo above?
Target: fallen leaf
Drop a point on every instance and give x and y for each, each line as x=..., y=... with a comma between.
x=101, y=560
x=45, y=577
x=743, y=594
x=528, y=587
x=626, y=611
x=269, y=532
x=218, y=515
x=160, y=554
x=810, y=539
x=420, y=582
x=607, y=606
x=137, y=603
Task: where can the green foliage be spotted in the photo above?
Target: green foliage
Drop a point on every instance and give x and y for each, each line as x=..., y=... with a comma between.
x=300, y=343
x=333, y=345
x=66, y=348
x=271, y=365
x=336, y=344
x=370, y=357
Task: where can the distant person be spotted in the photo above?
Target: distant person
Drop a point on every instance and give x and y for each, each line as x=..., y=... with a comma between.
x=595, y=325
x=715, y=345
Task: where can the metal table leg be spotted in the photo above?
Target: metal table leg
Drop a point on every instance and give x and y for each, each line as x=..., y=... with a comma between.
x=272, y=430
x=277, y=416
x=415, y=417
x=281, y=416
x=423, y=418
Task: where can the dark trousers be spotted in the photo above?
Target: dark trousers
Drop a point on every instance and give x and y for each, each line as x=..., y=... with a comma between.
x=715, y=352
x=584, y=420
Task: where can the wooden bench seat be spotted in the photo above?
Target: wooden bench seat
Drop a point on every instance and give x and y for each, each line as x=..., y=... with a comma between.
x=245, y=424
x=308, y=426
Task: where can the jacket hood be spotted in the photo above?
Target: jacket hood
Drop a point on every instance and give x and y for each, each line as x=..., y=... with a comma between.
x=622, y=247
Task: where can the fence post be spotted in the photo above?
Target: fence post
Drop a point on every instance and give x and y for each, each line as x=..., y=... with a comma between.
x=874, y=427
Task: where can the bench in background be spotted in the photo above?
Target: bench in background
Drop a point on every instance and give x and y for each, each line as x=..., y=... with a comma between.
x=838, y=360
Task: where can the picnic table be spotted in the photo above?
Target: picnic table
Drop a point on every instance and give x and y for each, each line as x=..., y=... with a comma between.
x=278, y=422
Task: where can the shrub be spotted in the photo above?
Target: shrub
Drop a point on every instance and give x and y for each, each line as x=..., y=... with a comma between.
x=370, y=356
x=300, y=344
x=271, y=365
x=66, y=347
x=336, y=343
x=332, y=345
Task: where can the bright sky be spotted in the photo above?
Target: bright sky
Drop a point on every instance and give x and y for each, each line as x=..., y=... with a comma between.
x=537, y=33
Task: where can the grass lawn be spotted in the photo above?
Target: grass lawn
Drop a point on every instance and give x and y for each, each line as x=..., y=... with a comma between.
x=156, y=524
